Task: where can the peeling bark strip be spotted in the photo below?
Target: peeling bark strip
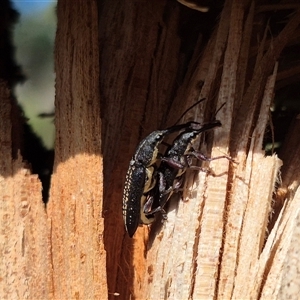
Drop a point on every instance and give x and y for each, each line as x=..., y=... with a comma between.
x=75, y=205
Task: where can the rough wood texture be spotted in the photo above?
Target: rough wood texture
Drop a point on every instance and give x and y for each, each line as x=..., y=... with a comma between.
x=75, y=204
x=25, y=264
x=139, y=67
x=203, y=248
x=214, y=245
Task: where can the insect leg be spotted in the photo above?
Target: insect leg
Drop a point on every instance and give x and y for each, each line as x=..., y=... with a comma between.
x=200, y=156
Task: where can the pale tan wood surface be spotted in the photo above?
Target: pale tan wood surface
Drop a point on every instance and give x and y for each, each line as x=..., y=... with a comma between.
x=119, y=76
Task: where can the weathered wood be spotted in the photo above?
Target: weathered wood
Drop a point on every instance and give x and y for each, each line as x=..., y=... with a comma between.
x=25, y=264
x=75, y=203
x=139, y=66
x=214, y=245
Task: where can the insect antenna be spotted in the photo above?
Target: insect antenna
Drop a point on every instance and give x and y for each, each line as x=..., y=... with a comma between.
x=199, y=101
x=222, y=105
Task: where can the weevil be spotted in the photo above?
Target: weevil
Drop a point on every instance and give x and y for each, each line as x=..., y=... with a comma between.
x=141, y=177
x=174, y=164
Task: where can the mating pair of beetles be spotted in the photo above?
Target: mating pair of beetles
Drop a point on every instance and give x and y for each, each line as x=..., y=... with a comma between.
x=148, y=187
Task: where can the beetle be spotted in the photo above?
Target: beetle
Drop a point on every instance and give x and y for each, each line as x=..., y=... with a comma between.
x=174, y=164
x=141, y=177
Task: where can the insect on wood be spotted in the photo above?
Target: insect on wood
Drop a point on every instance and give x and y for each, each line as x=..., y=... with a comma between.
x=174, y=163
x=141, y=177
x=147, y=186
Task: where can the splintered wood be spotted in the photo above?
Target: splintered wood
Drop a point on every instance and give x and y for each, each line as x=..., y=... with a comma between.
x=216, y=244
x=187, y=259
x=25, y=265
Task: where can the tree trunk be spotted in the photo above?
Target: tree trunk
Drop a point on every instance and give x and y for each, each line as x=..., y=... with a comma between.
x=124, y=69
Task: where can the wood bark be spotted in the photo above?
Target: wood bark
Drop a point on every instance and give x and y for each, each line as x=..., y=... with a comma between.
x=124, y=69
x=57, y=252
x=75, y=204
x=208, y=242
x=25, y=236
